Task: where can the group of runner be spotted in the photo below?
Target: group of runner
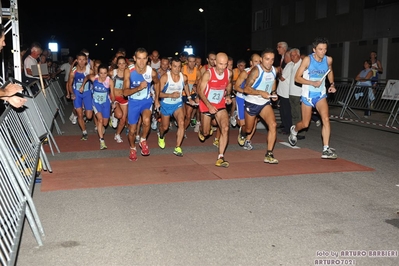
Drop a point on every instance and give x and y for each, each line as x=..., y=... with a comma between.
x=134, y=90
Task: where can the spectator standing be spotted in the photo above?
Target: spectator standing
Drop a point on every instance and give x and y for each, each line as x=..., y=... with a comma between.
x=376, y=67
x=66, y=68
x=282, y=48
x=283, y=92
x=295, y=89
x=364, y=80
x=30, y=60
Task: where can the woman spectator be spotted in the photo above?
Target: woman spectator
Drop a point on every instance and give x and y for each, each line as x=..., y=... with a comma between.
x=364, y=80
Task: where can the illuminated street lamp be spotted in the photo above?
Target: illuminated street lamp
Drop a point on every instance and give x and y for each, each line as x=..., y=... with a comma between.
x=206, y=30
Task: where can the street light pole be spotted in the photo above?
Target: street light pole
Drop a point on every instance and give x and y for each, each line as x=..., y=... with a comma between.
x=206, y=31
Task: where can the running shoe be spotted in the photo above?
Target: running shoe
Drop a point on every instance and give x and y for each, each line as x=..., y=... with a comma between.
x=161, y=142
x=145, y=151
x=248, y=145
x=318, y=123
x=193, y=122
x=292, y=139
x=240, y=138
x=74, y=120
x=197, y=126
x=133, y=155
x=178, y=152
x=118, y=138
x=216, y=142
x=114, y=121
x=84, y=137
x=329, y=154
x=222, y=163
x=102, y=145
x=154, y=124
x=269, y=158
x=233, y=120
x=200, y=136
x=137, y=140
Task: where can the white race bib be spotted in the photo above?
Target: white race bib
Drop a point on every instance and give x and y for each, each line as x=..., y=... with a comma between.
x=118, y=84
x=100, y=97
x=140, y=94
x=215, y=96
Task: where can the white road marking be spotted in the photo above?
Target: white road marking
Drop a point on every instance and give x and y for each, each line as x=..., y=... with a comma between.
x=289, y=145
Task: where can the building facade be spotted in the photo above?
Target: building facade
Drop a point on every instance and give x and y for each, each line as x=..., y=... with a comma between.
x=354, y=28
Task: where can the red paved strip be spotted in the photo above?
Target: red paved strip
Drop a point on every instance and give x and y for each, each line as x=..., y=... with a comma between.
x=74, y=144
x=161, y=169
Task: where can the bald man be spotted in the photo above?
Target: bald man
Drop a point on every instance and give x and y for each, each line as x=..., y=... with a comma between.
x=155, y=61
x=214, y=92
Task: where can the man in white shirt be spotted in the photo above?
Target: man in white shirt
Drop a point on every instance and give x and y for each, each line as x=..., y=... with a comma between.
x=282, y=48
x=31, y=59
x=283, y=90
x=295, y=90
x=66, y=68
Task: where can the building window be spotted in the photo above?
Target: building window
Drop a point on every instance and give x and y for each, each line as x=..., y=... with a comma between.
x=342, y=6
x=321, y=9
x=299, y=11
x=268, y=18
x=258, y=25
x=262, y=19
x=284, y=15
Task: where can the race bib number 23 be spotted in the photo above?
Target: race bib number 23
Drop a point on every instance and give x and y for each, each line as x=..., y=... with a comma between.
x=215, y=96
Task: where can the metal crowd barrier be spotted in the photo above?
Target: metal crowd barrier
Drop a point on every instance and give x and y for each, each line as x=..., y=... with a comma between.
x=47, y=112
x=340, y=98
x=20, y=150
x=54, y=101
x=34, y=116
x=57, y=96
x=55, y=84
x=47, y=105
x=45, y=96
x=366, y=98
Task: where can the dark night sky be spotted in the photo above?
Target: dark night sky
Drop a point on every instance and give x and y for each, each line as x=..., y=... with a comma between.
x=165, y=28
